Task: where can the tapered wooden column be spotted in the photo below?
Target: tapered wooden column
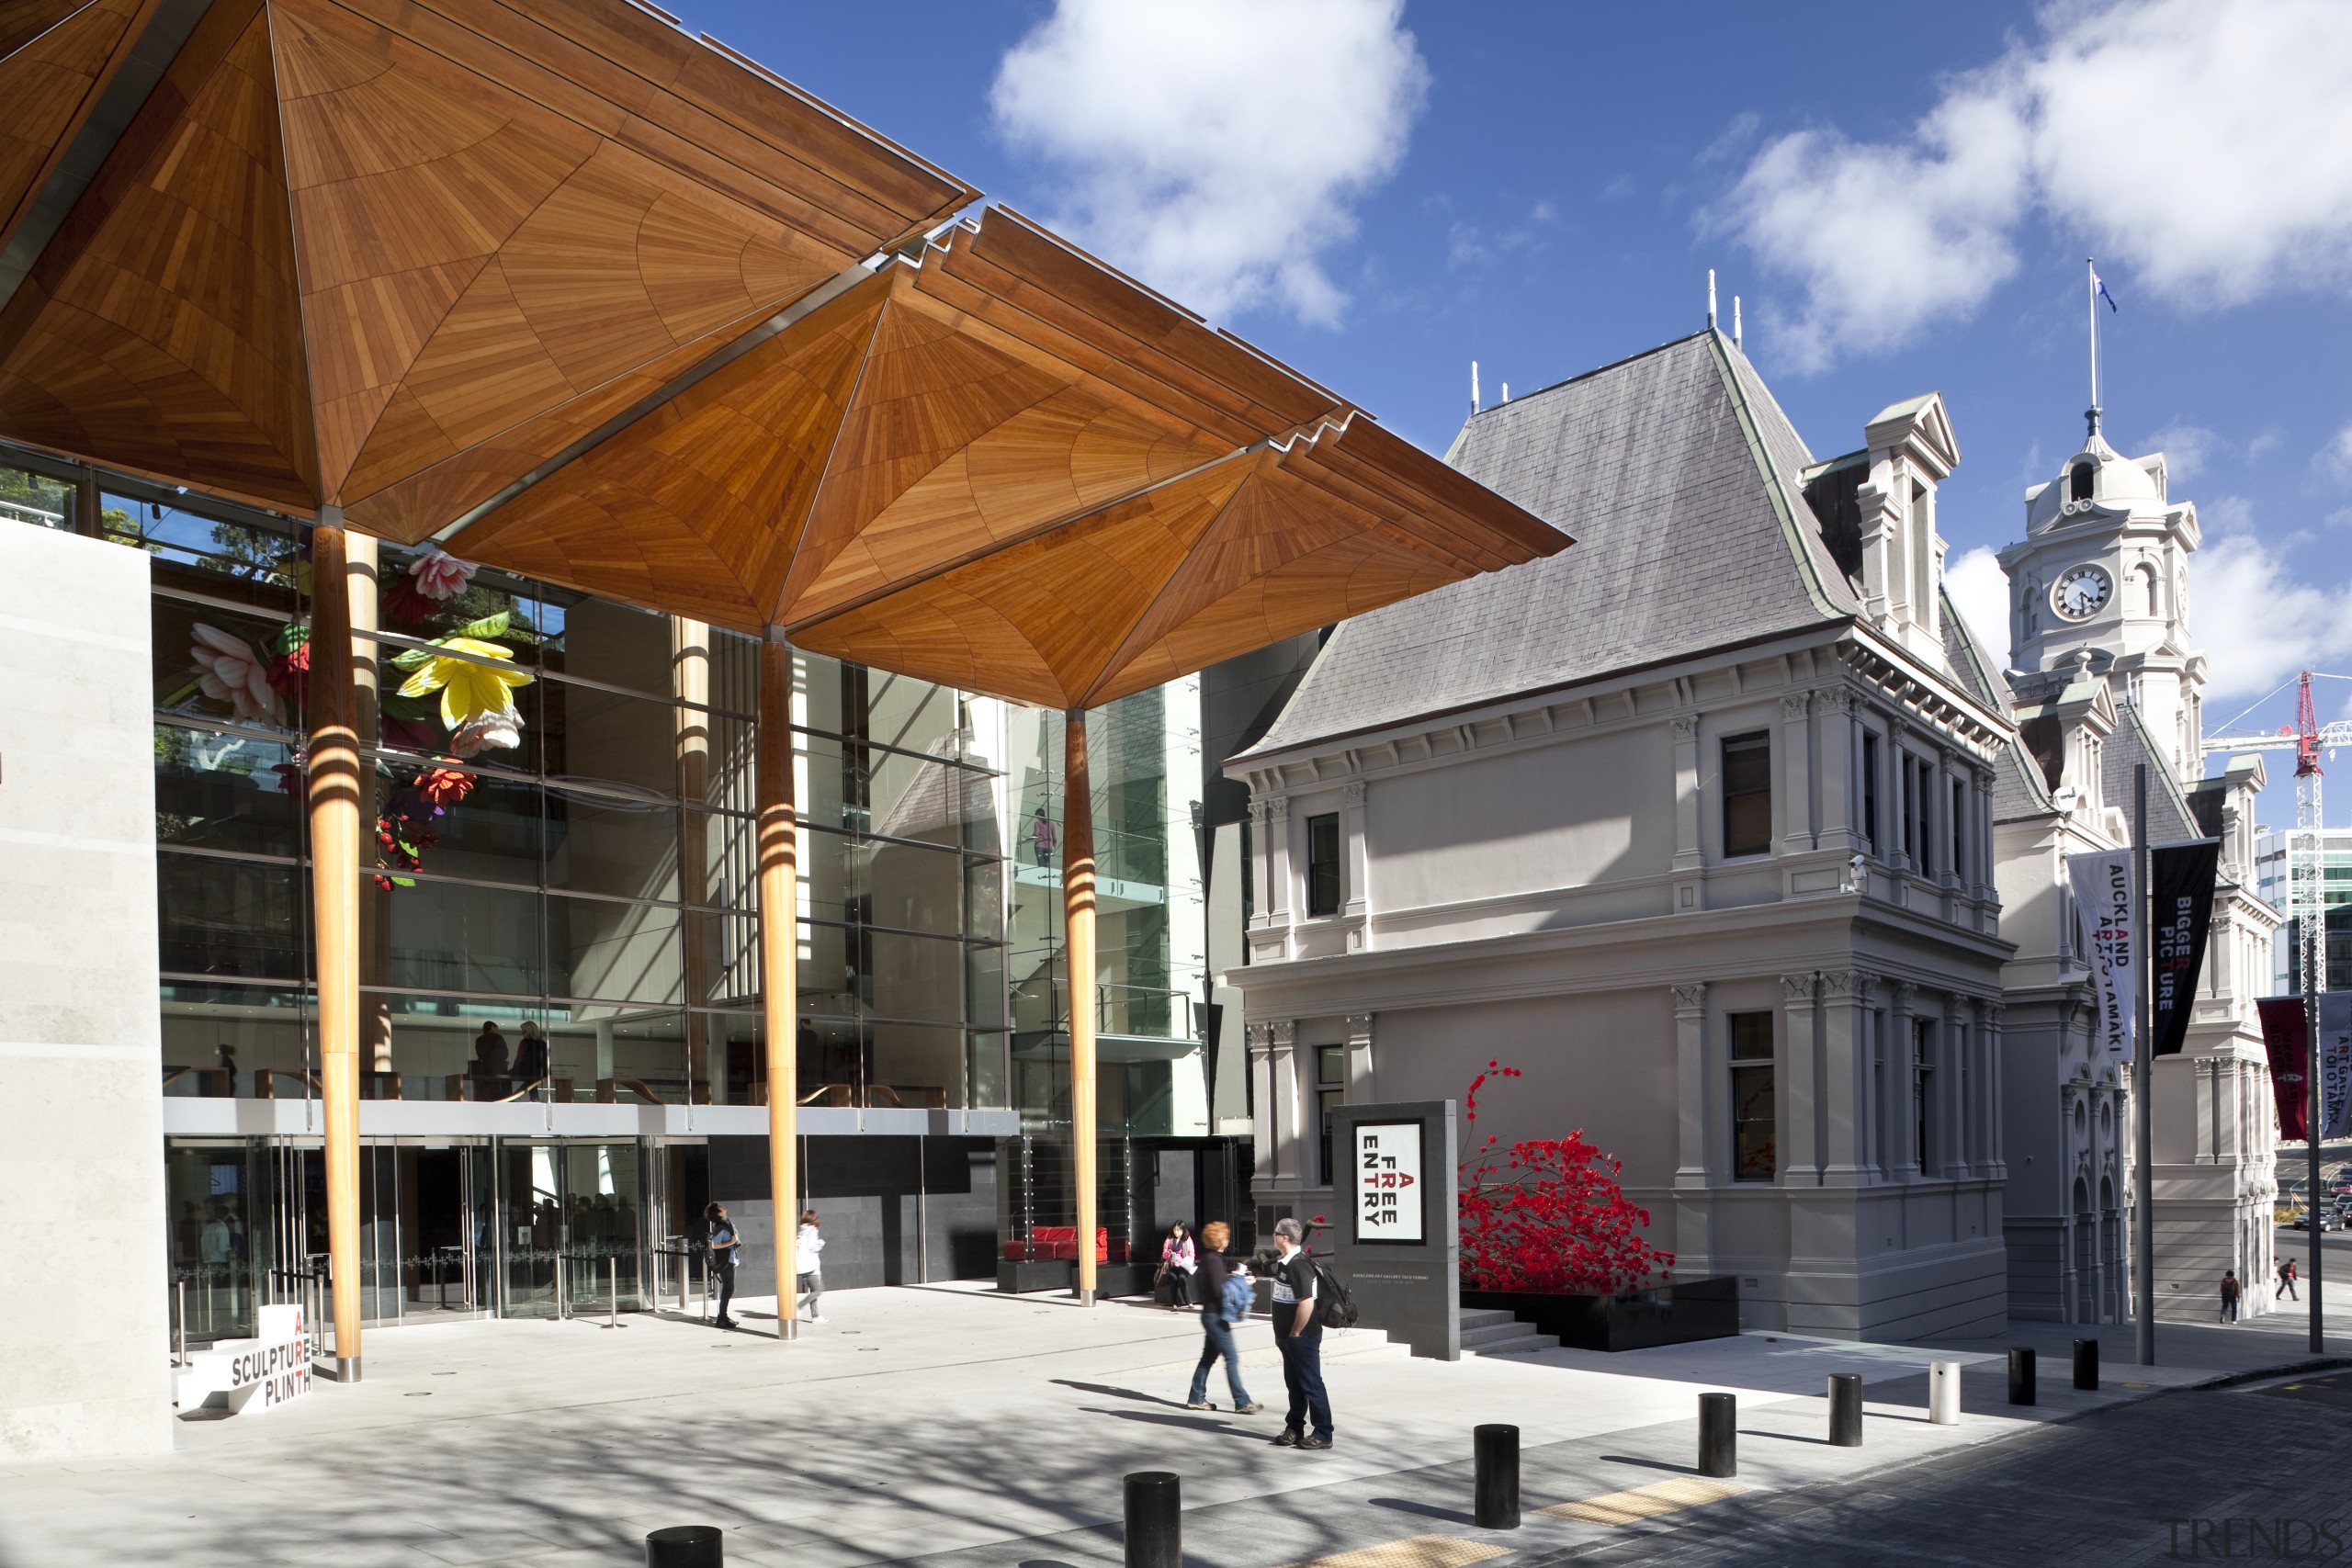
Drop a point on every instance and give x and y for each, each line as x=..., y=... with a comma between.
x=1078, y=949
x=335, y=782
x=779, y=961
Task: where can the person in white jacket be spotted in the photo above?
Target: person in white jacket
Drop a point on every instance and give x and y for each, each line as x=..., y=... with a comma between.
x=808, y=1253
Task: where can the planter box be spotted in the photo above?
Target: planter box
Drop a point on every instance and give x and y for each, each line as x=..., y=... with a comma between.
x=1061, y=1274
x=1678, y=1313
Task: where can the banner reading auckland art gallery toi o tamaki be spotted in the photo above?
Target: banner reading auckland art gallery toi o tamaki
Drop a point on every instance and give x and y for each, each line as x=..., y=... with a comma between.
x=2335, y=1065
x=2102, y=881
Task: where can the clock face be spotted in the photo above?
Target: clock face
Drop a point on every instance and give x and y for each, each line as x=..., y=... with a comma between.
x=2082, y=592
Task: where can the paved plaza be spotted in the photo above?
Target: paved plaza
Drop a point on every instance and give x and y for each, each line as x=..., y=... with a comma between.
x=953, y=1422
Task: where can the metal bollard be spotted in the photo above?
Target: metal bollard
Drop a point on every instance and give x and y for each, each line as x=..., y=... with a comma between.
x=1846, y=1410
x=2021, y=1375
x=179, y=1321
x=686, y=1546
x=2086, y=1365
x=612, y=1292
x=1497, y=1448
x=1155, y=1530
x=1943, y=1394
x=1718, y=1434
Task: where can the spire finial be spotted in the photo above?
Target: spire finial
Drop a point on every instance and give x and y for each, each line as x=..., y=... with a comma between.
x=1710, y=298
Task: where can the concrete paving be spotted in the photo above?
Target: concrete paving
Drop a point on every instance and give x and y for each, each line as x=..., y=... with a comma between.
x=949, y=1421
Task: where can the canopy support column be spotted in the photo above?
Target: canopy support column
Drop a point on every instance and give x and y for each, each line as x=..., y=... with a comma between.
x=779, y=850
x=334, y=796
x=1078, y=948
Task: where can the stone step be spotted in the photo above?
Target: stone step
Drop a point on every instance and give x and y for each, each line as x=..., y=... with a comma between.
x=1524, y=1342
x=1485, y=1318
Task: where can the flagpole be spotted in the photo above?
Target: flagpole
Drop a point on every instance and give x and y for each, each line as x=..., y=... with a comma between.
x=2143, y=1088
x=2308, y=951
x=2090, y=298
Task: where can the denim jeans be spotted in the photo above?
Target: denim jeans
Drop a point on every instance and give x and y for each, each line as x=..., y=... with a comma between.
x=1302, y=1376
x=1218, y=1343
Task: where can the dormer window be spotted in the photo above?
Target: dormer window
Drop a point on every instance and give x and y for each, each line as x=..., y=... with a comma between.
x=2078, y=481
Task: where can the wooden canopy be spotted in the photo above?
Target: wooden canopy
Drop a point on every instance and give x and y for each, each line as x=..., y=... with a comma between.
x=1006, y=467
x=391, y=255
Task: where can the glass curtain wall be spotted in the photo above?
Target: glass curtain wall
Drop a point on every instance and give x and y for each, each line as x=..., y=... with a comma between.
x=559, y=901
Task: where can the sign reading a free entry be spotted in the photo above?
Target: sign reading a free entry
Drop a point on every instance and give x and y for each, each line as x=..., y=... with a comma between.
x=1388, y=1179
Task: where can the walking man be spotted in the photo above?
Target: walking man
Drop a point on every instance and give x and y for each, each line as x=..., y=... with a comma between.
x=1216, y=1327
x=2229, y=1295
x=723, y=1244
x=1300, y=1339
x=807, y=1264
x=2287, y=1279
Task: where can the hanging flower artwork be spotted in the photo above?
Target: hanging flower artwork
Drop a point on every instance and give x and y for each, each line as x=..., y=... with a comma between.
x=440, y=576
x=469, y=689
x=444, y=787
x=230, y=671
x=290, y=667
x=403, y=604
x=502, y=730
x=1548, y=1214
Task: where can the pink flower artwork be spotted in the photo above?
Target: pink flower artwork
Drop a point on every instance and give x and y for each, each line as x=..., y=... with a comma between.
x=230, y=671
x=439, y=575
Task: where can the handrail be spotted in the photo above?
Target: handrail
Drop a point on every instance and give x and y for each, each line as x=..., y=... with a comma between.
x=547, y=1083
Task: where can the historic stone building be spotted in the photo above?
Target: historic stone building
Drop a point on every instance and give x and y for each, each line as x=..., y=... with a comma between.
x=1694, y=824
x=2105, y=681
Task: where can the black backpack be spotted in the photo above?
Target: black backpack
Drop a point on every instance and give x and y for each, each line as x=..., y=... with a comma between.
x=1334, y=1308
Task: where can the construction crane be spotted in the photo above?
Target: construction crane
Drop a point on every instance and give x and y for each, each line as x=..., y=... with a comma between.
x=2305, y=891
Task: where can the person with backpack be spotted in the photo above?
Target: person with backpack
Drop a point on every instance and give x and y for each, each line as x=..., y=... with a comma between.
x=1298, y=1335
x=1225, y=1299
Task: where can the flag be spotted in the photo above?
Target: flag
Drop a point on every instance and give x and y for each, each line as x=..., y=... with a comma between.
x=2098, y=285
x=2284, y=1040
x=2102, y=882
x=2335, y=1064
x=2180, y=910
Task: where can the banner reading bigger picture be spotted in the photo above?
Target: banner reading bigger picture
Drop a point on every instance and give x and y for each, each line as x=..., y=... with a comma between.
x=2102, y=882
x=2180, y=908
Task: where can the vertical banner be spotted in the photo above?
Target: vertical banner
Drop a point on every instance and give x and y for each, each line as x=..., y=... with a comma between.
x=2102, y=881
x=2180, y=906
x=2283, y=1042
x=1388, y=1167
x=2335, y=1065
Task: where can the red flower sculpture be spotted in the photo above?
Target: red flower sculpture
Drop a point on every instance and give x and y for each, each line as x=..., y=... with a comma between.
x=289, y=666
x=1548, y=1216
x=444, y=787
x=403, y=603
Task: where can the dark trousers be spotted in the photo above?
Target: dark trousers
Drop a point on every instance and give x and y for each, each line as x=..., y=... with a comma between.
x=2286, y=1283
x=722, y=1276
x=1302, y=1376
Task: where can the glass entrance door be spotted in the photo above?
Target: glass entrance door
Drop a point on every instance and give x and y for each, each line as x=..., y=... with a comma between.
x=571, y=1231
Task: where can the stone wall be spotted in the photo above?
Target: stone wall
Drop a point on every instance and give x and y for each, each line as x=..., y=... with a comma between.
x=84, y=1322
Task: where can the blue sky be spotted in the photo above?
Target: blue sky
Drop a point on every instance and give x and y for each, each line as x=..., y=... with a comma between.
x=1902, y=196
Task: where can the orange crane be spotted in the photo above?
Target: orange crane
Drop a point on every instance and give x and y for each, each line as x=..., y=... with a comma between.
x=2307, y=738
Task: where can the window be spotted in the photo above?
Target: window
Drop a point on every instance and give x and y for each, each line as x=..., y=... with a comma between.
x=1323, y=864
x=1923, y=1095
x=2078, y=481
x=1959, y=815
x=1748, y=793
x=1917, y=831
x=1870, y=790
x=1754, y=1152
x=1331, y=1092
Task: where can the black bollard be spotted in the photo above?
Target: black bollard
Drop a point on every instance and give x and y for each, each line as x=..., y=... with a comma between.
x=1155, y=1520
x=1846, y=1410
x=1497, y=1452
x=2087, y=1364
x=2021, y=1377
x=1718, y=1434
x=686, y=1546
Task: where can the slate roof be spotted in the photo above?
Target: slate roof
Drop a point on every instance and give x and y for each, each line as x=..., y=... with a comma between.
x=2019, y=789
x=1682, y=482
x=2170, y=817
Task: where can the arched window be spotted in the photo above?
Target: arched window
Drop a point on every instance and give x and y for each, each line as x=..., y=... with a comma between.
x=2078, y=481
x=2149, y=595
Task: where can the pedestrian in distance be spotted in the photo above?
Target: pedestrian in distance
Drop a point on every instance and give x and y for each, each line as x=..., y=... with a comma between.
x=1177, y=1262
x=1300, y=1339
x=808, y=1266
x=1225, y=1297
x=723, y=1243
x=2229, y=1295
x=2287, y=1279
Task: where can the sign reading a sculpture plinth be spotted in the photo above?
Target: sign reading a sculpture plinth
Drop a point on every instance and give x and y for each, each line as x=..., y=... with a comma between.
x=1396, y=1238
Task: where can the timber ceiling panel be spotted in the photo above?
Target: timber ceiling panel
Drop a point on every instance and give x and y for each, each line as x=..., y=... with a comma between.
x=57, y=55
x=511, y=221
x=1010, y=470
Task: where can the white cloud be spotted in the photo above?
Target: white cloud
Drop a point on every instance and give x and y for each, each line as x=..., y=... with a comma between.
x=2201, y=144
x=2256, y=624
x=1980, y=588
x=2186, y=448
x=1214, y=149
x=2336, y=459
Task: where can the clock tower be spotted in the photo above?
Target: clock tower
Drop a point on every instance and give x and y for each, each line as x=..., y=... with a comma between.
x=2103, y=572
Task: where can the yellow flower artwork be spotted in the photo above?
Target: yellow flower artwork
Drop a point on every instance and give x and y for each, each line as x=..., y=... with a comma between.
x=467, y=690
